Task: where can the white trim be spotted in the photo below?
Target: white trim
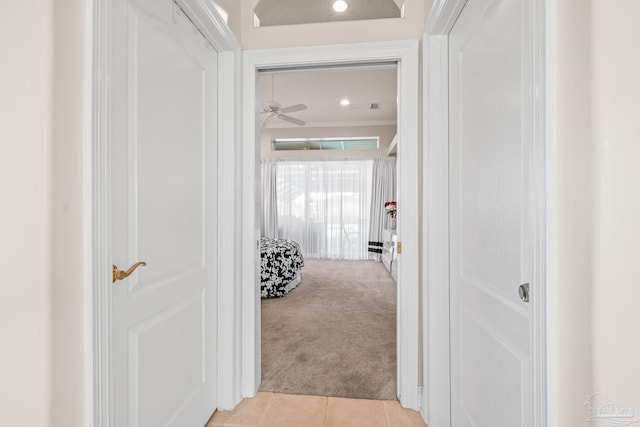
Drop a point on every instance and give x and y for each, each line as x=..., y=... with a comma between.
x=436, y=408
x=551, y=28
x=444, y=14
x=251, y=372
x=87, y=210
x=211, y=24
x=436, y=403
x=538, y=191
x=229, y=333
x=406, y=54
x=97, y=174
x=97, y=204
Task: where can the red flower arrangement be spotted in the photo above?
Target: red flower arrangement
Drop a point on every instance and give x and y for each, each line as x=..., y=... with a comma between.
x=391, y=208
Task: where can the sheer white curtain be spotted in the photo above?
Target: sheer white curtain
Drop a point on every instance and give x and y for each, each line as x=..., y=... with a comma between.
x=383, y=190
x=269, y=199
x=325, y=206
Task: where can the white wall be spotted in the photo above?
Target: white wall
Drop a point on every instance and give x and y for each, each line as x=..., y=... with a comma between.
x=571, y=219
x=41, y=362
x=597, y=206
x=26, y=30
x=68, y=391
x=385, y=133
x=615, y=57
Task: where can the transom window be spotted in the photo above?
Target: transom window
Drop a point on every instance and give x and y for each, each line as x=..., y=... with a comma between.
x=350, y=143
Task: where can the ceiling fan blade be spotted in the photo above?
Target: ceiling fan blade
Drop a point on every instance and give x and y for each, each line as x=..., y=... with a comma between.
x=294, y=108
x=291, y=120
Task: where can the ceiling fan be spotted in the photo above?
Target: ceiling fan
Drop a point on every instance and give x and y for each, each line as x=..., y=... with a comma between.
x=273, y=110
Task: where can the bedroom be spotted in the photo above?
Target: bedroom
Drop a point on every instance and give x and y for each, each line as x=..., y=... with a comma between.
x=328, y=151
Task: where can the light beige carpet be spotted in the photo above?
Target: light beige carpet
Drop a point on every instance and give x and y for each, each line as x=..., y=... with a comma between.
x=333, y=335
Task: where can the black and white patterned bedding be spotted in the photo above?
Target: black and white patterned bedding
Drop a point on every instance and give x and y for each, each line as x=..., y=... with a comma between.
x=280, y=263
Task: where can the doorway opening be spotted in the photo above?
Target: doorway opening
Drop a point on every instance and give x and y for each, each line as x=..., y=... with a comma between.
x=328, y=260
x=404, y=54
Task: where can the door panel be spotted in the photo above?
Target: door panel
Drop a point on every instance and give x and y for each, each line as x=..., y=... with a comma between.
x=163, y=197
x=481, y=341
x=489, y=242
x=154, y=347
x=167, y=145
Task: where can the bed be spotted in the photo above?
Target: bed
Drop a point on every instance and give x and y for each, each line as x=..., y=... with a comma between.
x=280, y=264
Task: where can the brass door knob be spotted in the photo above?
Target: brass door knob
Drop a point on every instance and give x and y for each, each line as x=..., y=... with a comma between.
x=119, y=274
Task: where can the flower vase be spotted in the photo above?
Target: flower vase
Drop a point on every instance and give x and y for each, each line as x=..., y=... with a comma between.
x=394, y=222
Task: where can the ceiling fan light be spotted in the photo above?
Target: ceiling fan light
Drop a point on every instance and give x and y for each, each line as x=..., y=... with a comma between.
x=345, y=102
x=340, y=6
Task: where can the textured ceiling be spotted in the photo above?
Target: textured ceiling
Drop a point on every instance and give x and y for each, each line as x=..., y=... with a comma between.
x=322, y=91
x=287, y=12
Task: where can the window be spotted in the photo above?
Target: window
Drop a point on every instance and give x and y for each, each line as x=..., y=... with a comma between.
x=325, y=206
x=355, y=143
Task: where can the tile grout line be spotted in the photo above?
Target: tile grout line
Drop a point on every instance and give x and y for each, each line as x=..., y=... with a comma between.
x=326, y=409
x=386, y=414
x=266, y=409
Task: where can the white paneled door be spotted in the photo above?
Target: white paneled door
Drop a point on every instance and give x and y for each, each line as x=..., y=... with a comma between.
x=163, y=193
x=490, y=243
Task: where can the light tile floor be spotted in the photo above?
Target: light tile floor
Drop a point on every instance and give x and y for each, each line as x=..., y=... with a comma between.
x=289, y=410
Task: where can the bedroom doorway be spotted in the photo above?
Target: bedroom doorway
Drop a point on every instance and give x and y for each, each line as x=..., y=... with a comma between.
x=404, y=55
x=328, y=150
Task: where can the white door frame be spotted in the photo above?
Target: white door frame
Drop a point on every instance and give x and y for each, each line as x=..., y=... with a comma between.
x=437, y=396
x=406, y=55
x=97, y=207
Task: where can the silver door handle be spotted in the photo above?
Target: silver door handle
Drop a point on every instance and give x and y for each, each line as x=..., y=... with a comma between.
x=523, y=291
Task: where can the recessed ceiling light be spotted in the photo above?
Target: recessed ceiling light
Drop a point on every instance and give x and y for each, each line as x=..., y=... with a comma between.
x=340, y=6
x=345, y=102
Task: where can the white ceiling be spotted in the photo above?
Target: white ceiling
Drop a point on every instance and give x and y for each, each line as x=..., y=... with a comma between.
x=287, y=12
x=322, y=91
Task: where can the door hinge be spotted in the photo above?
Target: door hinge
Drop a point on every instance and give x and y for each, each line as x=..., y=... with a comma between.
x=399, y=248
